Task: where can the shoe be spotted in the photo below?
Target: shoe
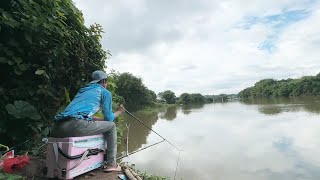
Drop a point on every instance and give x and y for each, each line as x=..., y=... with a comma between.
x=112, y=169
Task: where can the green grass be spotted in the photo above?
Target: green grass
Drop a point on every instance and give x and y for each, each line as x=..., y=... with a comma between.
x=146, y=176
x=10, y=176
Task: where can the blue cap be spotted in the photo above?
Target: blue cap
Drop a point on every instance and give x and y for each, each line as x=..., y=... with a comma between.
x=98, y=76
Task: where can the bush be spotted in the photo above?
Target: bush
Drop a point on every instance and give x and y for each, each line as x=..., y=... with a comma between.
x=45, y=50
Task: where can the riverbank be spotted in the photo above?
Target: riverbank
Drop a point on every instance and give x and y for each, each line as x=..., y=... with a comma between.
x=36, y=170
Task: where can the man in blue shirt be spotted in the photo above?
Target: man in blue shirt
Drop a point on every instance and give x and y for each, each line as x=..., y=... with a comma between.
x=78, y=120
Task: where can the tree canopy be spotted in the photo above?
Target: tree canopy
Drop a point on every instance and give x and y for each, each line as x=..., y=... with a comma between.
x=305, y=86
x=134, y=92
x=168, y=96
x=186, y=98
x=45, y=51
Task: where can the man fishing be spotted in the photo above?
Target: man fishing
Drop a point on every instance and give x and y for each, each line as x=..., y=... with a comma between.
x=78, y=118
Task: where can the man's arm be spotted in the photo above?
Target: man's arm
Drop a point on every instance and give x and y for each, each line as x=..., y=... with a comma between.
x=107, y=108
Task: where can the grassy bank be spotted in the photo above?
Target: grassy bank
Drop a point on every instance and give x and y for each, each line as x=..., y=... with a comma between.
x=146, y=176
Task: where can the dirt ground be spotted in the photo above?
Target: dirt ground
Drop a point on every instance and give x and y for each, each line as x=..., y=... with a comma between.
x=99, y=174
x=35, y=170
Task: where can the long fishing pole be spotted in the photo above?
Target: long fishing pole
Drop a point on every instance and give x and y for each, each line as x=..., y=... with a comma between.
x=127, y=142
x=163, y=139
x=127, y=139
x=139, y=150
x=151, y=129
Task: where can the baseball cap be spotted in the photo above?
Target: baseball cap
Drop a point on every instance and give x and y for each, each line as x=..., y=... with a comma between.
x=98, y=76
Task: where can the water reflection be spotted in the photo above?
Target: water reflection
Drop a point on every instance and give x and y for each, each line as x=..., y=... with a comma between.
x=187, y=109
x=274, y=106
x=284, y=144
x=302, y=169
x=137, y=132
x=270, y=110
x=233, y=140
x=170, y=113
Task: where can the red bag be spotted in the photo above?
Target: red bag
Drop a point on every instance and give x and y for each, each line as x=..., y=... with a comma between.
x=9, y=154
x=15, y=163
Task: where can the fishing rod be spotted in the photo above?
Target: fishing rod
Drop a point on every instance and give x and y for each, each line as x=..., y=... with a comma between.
x=164, y=139
x=139, y=150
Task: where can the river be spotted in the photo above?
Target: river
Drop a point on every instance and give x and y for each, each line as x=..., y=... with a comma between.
x=267, y=139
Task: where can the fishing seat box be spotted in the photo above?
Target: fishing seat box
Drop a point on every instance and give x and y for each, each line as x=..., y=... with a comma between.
x=72, y=156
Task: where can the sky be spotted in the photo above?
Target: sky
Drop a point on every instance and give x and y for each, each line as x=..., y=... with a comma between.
x=208, y=46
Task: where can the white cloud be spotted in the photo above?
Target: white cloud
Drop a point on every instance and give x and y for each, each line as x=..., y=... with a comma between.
x=197, y=47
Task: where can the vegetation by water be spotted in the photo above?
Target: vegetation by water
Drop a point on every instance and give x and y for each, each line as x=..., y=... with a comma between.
x=45, y=50
x=147, y=176
x=266, y=88
x=184, y=98
x=133, y=91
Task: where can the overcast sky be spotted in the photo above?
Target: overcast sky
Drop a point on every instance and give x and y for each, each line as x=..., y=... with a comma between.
x=208, y=46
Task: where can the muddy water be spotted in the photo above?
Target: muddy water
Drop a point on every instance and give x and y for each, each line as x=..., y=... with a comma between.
x=276, y=139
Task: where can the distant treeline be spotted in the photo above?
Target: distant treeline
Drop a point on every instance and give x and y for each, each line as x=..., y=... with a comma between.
x=305, y=86
x=185, y=98
x=224, y=97
x=133, y=93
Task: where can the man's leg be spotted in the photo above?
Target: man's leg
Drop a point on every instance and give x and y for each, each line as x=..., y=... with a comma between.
x=111, y=139
x=74, y=128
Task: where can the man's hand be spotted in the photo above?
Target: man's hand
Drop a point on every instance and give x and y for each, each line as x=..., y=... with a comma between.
x=121, y=108
x=96, y=118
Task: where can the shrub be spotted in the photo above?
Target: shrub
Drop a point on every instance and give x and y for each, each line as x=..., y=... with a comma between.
x=45, y=49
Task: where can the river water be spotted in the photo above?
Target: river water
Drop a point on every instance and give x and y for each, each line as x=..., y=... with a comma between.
x=274, y=139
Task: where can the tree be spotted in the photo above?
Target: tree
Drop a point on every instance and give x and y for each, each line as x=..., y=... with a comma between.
x=247, y=92
x=197, y=98
x=304, y=86
x=152, y=96
x=185, y=98
x=45, y=51
x=208, y=98
x=220, y=98
x=169, y=96
x=134, y=92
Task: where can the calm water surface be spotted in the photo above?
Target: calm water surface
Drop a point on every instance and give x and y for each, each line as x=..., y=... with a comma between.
x=275, y=139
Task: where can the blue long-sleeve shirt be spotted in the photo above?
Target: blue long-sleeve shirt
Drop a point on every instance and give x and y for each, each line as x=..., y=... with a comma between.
x=87, y=102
